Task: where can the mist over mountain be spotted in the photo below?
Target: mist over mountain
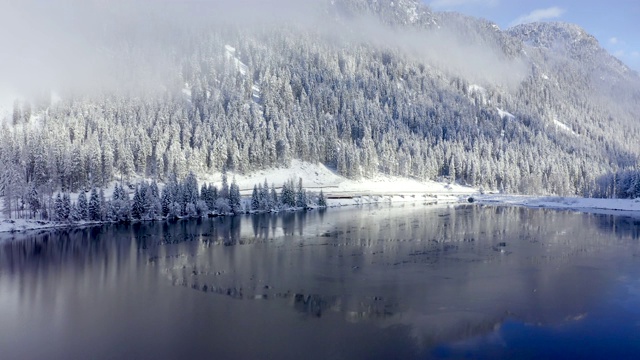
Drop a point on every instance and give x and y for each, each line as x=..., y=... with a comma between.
x=157, y=88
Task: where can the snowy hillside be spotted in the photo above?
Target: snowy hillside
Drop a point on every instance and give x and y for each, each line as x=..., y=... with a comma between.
x=381, y=93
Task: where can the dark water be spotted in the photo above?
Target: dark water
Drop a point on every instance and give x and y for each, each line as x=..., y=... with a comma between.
x=360, y=283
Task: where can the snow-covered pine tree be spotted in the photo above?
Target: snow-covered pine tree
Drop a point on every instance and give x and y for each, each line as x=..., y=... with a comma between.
x=103, y=204
x=58, y=208
x=33, y=200
x=166, y=200
x=255, y=201
x=204, y=193
x=301, y=196
x=275, y=202
x=235, y=200
x=201, y=208
x=224, y=189
x=263, y=196
x=82, y=206
x=287, y=195
x=66, y=206
x=137, y=207
x=190, y=189
x=322, y=201
x=95, y=207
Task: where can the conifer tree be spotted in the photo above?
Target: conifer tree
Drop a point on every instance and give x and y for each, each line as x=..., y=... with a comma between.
x=59, y=208
x=224, y=189
x=94, y=206
x=255, y=202
x=82, y=207
x=137, y=208
x=322, y=201
x=274, y=198
x=301, y=196
x=66, y=206
x=263, y=196
x=235, y=201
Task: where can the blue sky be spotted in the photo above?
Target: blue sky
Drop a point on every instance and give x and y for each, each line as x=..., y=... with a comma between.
x=615, y=23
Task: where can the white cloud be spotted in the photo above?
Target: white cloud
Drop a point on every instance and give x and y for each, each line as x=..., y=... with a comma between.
x=635, y=54
x=449, y=4
x=619, y=54
x=614, y=40
x=539, y=15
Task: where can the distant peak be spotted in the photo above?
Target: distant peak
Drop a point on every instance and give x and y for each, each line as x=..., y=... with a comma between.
x=553, y=35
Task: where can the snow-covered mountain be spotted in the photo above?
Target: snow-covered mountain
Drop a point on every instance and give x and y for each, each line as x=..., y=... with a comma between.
x=362, y=86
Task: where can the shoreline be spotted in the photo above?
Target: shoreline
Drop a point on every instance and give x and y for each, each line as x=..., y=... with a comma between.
x=617, y=207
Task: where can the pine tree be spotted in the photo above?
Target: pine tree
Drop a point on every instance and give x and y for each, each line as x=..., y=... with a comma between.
x=103, y=204
x=95, y=207
x=75, y=213
x=263, y=196
x=59, y=208
x=274, y=198
x=190, y=189
x=137, y=208
x=82, y=207
x=255, y=202
x=301, y=196
x=166, y=200
x=235, y=201
x=224, y=190
x=287, y=195
x=34, y=200
x=322, y=201
x=66, y=206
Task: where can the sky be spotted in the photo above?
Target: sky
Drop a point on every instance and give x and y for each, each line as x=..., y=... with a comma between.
x=614, y=23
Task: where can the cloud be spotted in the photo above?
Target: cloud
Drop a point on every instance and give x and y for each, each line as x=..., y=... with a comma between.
x=539, y=15
x=635, y=54
x=448, y=4
x=614, y=40
x=619, y=53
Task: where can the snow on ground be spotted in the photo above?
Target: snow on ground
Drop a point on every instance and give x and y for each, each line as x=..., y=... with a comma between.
x=230, y=53
x=381, y=189
x=318, y=176
x=19, y=225
x=619, y=206
x=563, y=126
x=505, y=114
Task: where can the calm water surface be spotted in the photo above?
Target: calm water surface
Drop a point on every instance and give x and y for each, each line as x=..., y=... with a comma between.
x=361, y=283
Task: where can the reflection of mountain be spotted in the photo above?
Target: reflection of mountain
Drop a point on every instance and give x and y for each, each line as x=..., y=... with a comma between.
x=447, y=273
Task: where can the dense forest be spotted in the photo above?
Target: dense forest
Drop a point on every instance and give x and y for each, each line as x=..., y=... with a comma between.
x=379, y=88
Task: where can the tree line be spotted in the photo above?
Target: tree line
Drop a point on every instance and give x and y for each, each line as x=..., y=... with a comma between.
x=177, y=199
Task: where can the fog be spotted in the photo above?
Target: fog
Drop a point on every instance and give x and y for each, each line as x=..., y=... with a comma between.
x=98, y=44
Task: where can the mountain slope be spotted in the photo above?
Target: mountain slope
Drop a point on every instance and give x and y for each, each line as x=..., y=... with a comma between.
x=362, y=86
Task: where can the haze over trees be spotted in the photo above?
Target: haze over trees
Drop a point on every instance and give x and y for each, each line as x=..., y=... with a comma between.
x=362, y=86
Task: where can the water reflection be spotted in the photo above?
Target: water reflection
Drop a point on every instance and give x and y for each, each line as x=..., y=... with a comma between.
x=433, y=275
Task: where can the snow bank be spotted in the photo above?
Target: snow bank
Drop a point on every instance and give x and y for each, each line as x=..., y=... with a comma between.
x=569, y=203
x=318, y=176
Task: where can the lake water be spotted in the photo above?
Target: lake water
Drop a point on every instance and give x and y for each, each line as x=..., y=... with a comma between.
x=382, y=282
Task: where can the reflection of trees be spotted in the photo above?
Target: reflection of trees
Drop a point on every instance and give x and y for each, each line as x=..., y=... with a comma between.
x=442, y=271
x=458, y=271
x=625, y=227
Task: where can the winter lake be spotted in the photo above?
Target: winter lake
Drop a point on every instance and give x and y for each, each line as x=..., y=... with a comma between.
x=401, y=282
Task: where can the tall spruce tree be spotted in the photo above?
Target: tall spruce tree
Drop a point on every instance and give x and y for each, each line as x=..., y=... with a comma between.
x=95, y=207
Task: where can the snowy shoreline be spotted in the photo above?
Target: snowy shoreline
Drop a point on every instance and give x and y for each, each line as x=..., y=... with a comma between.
x=381, y=189
x=620, y=207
